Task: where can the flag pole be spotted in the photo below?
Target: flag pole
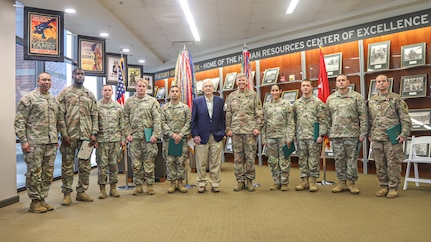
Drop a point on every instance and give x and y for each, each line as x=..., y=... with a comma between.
x=324, y=182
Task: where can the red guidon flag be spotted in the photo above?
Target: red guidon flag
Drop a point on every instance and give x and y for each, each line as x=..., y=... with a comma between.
x=323, y=86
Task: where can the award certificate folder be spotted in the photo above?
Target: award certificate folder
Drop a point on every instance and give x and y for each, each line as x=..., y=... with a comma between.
x=175, y=149
x=288, y=151
x=393, y=133
x=316, y=130
x=85, y=151
x=148, y=132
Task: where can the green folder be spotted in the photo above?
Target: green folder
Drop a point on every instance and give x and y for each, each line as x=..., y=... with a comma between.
x=288, y=151
x=316, y=130
x=175, y=149
x=393, y=133
x=148, y=132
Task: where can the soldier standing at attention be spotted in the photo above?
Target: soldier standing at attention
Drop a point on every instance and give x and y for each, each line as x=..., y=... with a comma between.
x=348, y=122
x=176, y=117
x=244, y=120
x=36, y=123
x=143, y=128
x=278, y=130
x=386, y=110
x=79, y=108
x=110, y=138
x=308, y=111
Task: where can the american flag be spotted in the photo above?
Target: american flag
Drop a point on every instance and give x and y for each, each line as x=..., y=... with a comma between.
x=120, y=86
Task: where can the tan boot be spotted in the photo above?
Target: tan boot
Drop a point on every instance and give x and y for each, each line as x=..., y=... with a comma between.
x=284, y=187
x=275, y=187
x=67, y=200
x=172, y=188
x=382, y=192
x=181, y=186
x=83, y=197
x=250, y=186
x=113, y=191
x=102, y=194
x=36, y=207
x=138, y=189
x=312, y=184
x=352, y=187
x=340, y=187
x=150, y=189
x=304, y=185
x=46, y=205
x=239, y=187
x=393, y=193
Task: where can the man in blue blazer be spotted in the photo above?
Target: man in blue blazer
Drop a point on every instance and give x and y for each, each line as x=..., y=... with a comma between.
x=208, y=130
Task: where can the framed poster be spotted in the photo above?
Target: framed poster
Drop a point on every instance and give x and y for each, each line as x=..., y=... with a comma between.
x=422, y=150
x=134, y=72
x=413, y=86
x=290, y=96
x=270, y=76
x=268, y=97
x=215, y=81
x=113, y=62
x=378, y=56
x=333, y=63
x=421, y=119
x=150, y=87
x=413, y=55
x=351, y=86
x=91, y=55
x=161, y=92
x=43, y=35
x=229, y=82
x=373, y=90
x=315, y=91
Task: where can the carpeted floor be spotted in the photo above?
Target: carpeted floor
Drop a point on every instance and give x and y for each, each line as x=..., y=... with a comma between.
x=262, y=215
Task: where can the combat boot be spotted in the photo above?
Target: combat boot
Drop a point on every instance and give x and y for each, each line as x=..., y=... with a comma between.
x=352, y=187
x=312, y=184
x=393, y=193
x=239, y=187
x=83, y=197
x=172, y=188
x=275, y=187
x=181, y=187
x=113, y=191
x=46, y=205
x=67, y=200
x=382, y=192
x=250, y=186
x=150, y=189
x=284, y=187
x=304, y=185
x=102, y=194
x=138, y=189
x=340, y=187
x=36, y=207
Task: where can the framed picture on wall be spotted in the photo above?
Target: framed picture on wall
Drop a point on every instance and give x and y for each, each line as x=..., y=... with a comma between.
x=268, y=97
x=413, y=86
x=134, y=72
x=315, y=91
x=413, y=55
x=290, y=96
x=161, y=92
x=421, y=119
x=229, y=82
x=113, y=62
x=270, y=76
x=378, y=55
x=351, y=86
x=215, y=81
x=333, y=63
x=373, y=90
x=199, y=85
x=91, y=55
x=150, y=79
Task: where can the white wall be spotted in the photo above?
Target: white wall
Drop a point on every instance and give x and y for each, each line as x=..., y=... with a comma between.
x=8, y=192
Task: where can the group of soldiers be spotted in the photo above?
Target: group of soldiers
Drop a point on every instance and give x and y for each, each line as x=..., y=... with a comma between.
x=77, y=116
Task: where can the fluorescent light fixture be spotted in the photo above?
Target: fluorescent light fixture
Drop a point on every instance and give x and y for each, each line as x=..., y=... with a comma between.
x=125, y=50
x=104, y=34
x=141, y=61
x=70, y=10
x=292, y=6
x=190, y=20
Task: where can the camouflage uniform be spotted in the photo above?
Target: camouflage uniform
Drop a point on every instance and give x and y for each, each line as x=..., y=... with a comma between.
x=278, y=129
x=243, y=115
x=140, y=113
x=307, y=112
x=176, y=120
x=111, y=133
x=37, y=120
x=79, y=108
x=386, y=111
x=348, y=120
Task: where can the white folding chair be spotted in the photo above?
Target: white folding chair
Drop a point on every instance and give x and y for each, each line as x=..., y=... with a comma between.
x=419, y=153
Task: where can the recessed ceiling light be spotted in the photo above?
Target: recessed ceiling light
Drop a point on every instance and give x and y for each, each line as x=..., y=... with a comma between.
x=141, y=61
x=70, y=10
x=125, y=50
x=104, y=34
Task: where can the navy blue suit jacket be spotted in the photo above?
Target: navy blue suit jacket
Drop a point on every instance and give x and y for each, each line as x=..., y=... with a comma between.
x=202, y=125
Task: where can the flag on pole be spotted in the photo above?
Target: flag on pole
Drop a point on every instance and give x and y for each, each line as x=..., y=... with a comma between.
x=120, y=85
x=323, y=86
x=246, y=67
x=184, y=76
